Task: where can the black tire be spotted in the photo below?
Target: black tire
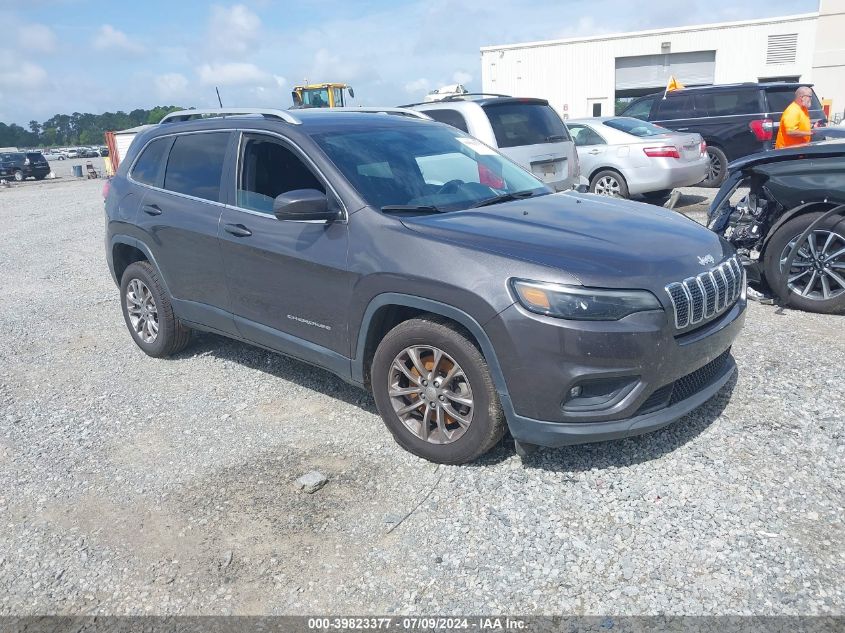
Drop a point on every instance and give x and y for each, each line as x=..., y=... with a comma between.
x=786, y=234
x=172, y=336
x=597, y=183
x=487, y=425
x=718, y=169
x=19, y=175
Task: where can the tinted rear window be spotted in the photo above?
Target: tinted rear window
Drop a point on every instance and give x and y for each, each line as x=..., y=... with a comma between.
x=674, y=108
x=12, y=156
x=779, y=98
x=196, y=164
x=148, y=165
x=640, y=109
x=517, y=124
x=35, y=156
x=636, y=127
x=727, y=103
x=449, y=117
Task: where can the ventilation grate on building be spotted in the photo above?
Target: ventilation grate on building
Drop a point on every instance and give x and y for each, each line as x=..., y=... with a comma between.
x=782, y=48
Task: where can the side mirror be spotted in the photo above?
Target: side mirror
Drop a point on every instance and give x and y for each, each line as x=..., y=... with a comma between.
x=351, y=92
x=303, y=204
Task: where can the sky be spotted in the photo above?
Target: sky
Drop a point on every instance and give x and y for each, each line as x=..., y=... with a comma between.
x=65, y=56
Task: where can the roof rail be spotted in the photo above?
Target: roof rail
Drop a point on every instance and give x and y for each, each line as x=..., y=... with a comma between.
x=378, y=110
x=457, y=97
x=186, y=115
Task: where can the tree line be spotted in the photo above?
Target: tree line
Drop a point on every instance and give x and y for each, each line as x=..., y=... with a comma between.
x=67, y=130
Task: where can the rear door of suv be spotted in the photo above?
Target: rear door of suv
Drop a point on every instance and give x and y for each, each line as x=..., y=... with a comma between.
x=777, y=98
x=180, y=213
x=733, y=120
x=530, y=132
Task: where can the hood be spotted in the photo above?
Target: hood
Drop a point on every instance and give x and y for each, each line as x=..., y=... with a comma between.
x=600, y=241
x=822, y=149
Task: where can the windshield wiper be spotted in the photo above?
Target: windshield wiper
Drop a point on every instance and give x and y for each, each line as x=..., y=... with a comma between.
x=504, y=197
x=399, y=208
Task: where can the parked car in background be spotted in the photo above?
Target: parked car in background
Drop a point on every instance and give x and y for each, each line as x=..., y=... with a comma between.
x=23, y=165
x=789, y=189
x=73, y=153
x=104, y=151
x=466, y=308
x=622, y=156
x=528, y=131
x=54, y=155
x=735, y=120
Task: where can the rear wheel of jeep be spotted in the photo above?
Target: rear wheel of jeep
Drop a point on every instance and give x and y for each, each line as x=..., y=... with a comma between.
x=18, y=175
x=816, y=280
x=149, y=314
x=434, y=391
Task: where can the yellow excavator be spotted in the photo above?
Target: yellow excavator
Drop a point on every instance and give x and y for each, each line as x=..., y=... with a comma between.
x=328, y=95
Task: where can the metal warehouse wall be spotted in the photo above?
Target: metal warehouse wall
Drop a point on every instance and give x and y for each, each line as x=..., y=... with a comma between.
x=573, y=73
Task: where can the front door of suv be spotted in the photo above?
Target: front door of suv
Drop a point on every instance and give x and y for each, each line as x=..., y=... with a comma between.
x=288, y=280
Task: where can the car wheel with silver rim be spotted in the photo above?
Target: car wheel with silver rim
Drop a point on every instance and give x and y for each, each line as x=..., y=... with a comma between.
x=609, y=183
x=433, y=389
x=716, y=167
x=816, y=279
x=148, y=312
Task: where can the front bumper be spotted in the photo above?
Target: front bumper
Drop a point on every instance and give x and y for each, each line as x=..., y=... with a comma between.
x=664, y=375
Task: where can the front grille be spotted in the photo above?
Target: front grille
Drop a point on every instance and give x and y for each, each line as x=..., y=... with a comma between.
x=692, y=383
x=707, y=294
x=686, y=386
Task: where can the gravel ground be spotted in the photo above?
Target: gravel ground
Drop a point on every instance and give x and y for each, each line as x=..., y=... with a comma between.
x=130, y=485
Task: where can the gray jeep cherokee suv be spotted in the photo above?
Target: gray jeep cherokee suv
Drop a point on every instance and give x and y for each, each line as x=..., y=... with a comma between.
x=410, y=258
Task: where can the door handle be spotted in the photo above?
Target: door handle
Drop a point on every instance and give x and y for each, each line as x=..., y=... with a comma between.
x=682, y=129
x=594, y=151
x=151, y=209
x=238, y=230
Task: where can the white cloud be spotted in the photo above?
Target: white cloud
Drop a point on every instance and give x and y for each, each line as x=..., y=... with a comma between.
x=280, y=81
x=233, y=30
x=109, y=38
x=23, y=76
x=171, y=86
x=232, y=74
x=461, y=77
x=418, y=85
x=37, y=37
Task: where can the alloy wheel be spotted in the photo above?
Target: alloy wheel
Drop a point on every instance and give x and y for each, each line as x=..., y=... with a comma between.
x=818, y=270
x=714, y=167
x=430, y=394
x=143, y=313
x=608, y=186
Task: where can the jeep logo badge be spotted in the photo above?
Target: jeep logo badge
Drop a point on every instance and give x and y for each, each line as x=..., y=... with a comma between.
x=707, y=259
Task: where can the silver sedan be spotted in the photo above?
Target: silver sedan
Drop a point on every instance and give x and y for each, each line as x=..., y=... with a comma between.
x=623, y=156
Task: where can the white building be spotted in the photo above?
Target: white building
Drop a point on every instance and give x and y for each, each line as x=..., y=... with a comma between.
x=584, y=76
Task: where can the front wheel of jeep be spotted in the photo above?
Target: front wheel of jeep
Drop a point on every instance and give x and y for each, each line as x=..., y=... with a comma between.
x=433, y=389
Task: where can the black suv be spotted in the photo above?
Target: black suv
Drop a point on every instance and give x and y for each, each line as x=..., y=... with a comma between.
x=409, y=258
x=734, y=119
x=22, y=165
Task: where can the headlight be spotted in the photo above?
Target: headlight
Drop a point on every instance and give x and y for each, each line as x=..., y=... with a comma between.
x=580, y=303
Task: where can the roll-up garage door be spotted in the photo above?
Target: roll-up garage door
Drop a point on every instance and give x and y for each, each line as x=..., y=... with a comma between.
x=653, y=71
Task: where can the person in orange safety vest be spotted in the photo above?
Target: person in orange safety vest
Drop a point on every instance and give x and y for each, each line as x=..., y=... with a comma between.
x=795, y=126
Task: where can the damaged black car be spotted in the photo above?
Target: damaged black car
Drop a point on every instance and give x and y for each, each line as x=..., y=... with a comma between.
x=789, y=227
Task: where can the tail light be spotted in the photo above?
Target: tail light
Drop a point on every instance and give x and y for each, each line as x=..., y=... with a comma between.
x=574, y=166
x=762, y=129
x=703, y=148
x=486, y=176
x=666, y=151
x=26, y=161
x=106, y=188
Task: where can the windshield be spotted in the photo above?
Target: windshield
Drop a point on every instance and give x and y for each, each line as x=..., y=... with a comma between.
x=426, y=165
x=636, y=127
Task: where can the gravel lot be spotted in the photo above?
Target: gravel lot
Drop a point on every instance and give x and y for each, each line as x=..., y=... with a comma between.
x=130, y=485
